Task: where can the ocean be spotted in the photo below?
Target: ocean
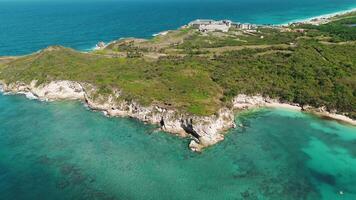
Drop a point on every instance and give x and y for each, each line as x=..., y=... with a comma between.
x=30, y=25
x=62, y=150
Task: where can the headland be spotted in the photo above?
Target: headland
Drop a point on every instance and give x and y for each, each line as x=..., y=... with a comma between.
x=193, y=80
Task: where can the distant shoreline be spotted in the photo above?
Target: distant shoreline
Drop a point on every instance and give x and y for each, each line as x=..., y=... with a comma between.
x=327, y=16
x=304, y=20
x=91, y=48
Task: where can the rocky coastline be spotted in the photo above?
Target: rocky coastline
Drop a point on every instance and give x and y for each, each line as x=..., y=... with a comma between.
x=203, y=130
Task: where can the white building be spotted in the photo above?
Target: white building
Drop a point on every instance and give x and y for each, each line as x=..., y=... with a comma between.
x=244, y=26
x=211, y=25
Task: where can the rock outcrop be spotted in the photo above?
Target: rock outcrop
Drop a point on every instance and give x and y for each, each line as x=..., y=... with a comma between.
x=56, y=90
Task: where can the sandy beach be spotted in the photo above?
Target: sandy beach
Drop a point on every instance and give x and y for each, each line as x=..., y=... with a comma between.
x=322, y=114
x=284, y=106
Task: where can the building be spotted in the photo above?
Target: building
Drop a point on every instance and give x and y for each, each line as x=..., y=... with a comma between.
x=244, y=26
x=205, y=25
x=211, y=25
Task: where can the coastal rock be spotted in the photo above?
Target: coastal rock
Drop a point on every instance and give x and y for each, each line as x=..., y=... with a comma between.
x=204, y=130
x=2, y=86
x=100, y=45
x=56, y=90
x=59, y=90
x=243, y=101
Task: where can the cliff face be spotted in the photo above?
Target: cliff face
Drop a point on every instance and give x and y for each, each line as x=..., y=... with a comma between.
x=204, y=131
x=57, y=90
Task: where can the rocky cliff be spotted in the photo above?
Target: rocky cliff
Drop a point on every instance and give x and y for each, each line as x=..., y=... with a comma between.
x=204, y=131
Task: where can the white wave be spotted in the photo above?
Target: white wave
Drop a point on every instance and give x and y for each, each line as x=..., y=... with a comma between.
x=29, y=95
x=160, y=33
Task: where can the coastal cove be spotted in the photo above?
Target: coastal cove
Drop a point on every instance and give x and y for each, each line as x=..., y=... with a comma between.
x=61, y=150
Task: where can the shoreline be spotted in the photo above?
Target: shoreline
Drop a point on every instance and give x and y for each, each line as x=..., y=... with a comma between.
x=293, y=107
x=240, y=102
x=318, y=17
x=316, y=20
x=324, y=115
x=203, y=131
x=260, y=102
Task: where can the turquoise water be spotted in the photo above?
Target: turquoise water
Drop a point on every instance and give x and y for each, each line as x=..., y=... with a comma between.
x=61, y=150
x=29, y=25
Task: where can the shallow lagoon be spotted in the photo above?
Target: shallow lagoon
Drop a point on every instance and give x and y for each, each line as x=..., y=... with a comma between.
x=61, y=150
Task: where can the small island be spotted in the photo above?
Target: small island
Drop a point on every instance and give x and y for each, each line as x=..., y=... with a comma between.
x=193, y=80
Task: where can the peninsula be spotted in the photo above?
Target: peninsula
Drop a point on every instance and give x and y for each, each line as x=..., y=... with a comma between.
x=192, y=81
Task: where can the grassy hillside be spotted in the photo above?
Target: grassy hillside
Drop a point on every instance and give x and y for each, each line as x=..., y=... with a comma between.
x=198, y=73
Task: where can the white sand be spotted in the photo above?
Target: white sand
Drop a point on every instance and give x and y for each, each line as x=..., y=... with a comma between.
x=334, y=116
x=284, y=105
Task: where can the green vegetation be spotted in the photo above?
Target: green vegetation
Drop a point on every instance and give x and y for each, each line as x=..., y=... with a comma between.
x=342, y=29
x=198, y=73
x=313, y=74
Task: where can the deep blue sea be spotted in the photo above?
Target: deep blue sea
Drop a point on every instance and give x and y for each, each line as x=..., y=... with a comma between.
x=30, y=25
x=62, y=150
